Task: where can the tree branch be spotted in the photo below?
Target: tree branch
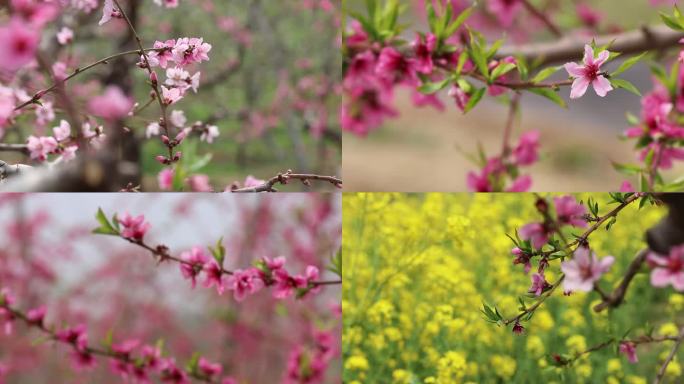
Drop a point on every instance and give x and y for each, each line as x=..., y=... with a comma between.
x=673, y=352
x=616, y=298
x=647, y=38
x=283, y=178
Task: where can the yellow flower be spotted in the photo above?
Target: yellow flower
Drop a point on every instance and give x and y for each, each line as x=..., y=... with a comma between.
x=401, y=376
x=614, y=366
x=631, y=379
x=673, y=369
x=503, y=366
x=668, y=329
x=543, y=320
x=576, y=343
x=451, y=368
x=356, y=363
x=535, y=345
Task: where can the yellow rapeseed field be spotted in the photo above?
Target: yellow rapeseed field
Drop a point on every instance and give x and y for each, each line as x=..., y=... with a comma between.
x=417, y=269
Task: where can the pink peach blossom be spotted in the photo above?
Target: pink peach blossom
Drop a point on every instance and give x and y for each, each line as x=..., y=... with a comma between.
x=589, y=73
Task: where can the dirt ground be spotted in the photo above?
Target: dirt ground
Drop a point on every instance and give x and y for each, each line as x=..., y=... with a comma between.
x=420, y=150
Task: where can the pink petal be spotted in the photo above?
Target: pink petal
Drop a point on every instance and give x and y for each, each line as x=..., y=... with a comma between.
x=579, y=87
x=678, y=281
x=602, y=86
x=606, y=263
x=602, y=57
x=574, y=69
x=588, y=54
x=660, y=277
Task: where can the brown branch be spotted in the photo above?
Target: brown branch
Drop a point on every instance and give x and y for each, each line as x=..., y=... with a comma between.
x=38, y=95
x=161, y=253
x=673, y=352
x=616, y=298
x=107, y=353
x=284, y=178
x=647, y=38
x=552, y=27
x=21, y=148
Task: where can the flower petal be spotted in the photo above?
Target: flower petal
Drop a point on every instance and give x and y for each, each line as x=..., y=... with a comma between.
x=574, y=69
x=579, y=87
x=602, y=57
x=588, y=54
x=601, y=86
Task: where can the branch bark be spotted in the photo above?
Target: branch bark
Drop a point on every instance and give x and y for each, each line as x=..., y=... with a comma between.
x=647, y=38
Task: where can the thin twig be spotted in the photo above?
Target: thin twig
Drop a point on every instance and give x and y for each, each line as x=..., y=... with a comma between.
x=107, y=353
x=38, y=95
x=284, y=178
x=543, y=18
x=673, y=352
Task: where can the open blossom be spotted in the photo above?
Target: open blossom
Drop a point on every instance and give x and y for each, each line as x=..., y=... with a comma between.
x=18, y=44
x=76, y=336
x=569, y=211
x=536, y=233
x=63, y=131
x=209, y=134
x=190, y=50
x=65, y=36
x=37, y=315
x=135, y=228
x=208, y=368
x=171, y=95
x=584, y=270
x=193, y=263
x=107, y=11
x=589, y=73
x=112, y=105
x=245, y=282
x=539, y=284
x=214, y=276
x=40, y=147
x=629, y=350
x=668, y=270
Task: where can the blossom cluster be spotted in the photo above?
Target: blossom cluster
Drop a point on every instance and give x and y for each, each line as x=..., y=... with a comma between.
x=207, y=262
x=492, y=177
x=130, y=358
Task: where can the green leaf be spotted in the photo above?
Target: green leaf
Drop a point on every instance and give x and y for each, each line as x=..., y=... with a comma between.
x=627, y=64
x=475, y=98
x=549, y=94
x=105, y=228
x=218, y=251
x=523, y=68
x=671, y=22
x=431, y=16
x=632, y=119
x=478, y=57
x=502, y=69
x=545, y=73
x=626, y=85
x=336, y=263
x=627, y=169
x=462, y=17
x=429, y=88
